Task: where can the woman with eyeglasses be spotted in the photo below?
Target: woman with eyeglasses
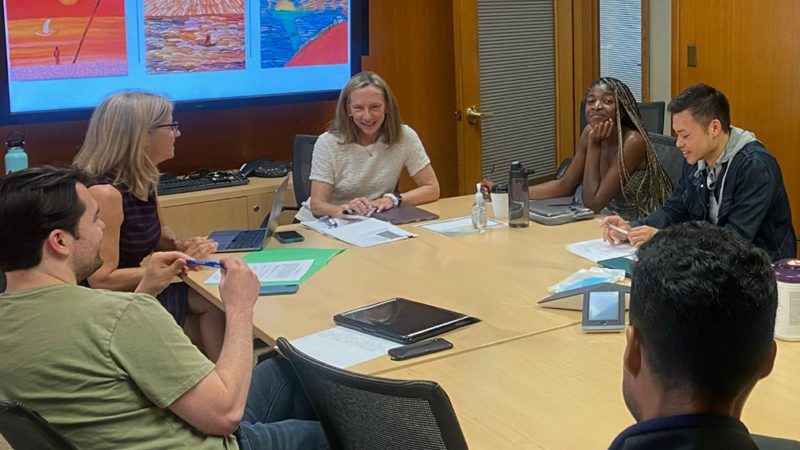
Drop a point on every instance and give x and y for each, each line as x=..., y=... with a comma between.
x=129, y=135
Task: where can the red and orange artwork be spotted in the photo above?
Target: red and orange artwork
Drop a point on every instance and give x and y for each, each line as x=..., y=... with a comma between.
x=53, y=39
x=194, y=35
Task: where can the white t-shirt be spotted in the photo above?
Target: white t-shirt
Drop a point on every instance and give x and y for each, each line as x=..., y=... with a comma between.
x=363, y=171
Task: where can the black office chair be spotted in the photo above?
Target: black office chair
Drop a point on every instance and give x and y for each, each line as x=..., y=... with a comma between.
x=670, y=157
x=2, y=281
x=302, y=150
x=652, y=116
x=24, y=429
x=362, y=412
x=773, y=443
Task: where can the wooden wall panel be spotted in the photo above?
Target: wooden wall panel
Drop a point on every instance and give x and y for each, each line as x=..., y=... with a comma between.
x=751, y=53
x=411, y=47
x=219, y=139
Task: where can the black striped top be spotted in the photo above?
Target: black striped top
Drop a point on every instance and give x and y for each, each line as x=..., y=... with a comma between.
x=140, y=230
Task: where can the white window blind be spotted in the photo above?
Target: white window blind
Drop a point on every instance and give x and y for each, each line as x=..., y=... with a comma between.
x=517, y=72
x=621, y=42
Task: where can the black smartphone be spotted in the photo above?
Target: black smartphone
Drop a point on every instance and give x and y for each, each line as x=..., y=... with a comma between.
x=419, y=348
x=287, y=237
x=279, y=289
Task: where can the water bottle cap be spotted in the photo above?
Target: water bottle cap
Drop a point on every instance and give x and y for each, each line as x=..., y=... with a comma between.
x=15, y=143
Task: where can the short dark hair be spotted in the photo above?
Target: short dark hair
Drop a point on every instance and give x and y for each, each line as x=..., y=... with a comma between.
x=34, y=202
x=703, y=302
x=705, y=103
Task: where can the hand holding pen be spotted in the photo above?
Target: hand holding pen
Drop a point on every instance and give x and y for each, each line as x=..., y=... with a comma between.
x=616, y=230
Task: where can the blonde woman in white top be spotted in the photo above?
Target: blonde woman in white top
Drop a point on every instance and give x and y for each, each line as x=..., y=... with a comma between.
x=358, y=161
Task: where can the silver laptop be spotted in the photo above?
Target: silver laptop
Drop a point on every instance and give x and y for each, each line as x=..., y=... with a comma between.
x=251, y=240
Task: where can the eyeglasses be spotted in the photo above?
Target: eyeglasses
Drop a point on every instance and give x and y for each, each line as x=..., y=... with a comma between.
x=173, y=126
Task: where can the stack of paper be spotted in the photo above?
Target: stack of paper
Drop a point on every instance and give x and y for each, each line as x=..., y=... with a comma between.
x=598, y=249
x=363, y=232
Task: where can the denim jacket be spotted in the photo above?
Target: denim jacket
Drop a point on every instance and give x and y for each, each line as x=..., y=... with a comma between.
x=754, y=202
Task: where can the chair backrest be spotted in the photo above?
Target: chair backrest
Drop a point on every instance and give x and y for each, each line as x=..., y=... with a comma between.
x=24, y=429
x=652, y=116
x=362, y=412
x=302, y=150
x=670, y=157
x=2, y=281
x=773, y=443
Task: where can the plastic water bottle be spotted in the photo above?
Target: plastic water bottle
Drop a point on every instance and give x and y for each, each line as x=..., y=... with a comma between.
x=518, y=196
x=479, y=212
x=16, y=158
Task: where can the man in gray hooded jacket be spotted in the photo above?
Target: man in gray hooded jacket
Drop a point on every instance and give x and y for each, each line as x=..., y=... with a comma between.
x=729, y=179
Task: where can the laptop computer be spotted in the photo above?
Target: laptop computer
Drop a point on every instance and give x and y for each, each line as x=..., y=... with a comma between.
x=251, y=240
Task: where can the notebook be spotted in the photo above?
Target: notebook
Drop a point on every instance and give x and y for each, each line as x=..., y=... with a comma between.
x=555, y=211
x=404, y=214
x=402, y=320
x=254, y=239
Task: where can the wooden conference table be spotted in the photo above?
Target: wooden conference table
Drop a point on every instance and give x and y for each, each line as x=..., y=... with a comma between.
x=562, y=390
x=525, y=376
x=498, y=277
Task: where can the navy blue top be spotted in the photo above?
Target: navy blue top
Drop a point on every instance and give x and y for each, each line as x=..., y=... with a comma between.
x=695, y=431
x=141, y=228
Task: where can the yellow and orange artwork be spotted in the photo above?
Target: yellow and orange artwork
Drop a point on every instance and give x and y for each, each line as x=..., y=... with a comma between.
x=66, y=38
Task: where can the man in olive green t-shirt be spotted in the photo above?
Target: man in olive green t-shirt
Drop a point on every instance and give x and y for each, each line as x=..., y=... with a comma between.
x=111, y=369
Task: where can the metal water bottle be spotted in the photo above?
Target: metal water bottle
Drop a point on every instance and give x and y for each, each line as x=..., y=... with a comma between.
x=518, y=196
x=16, y=158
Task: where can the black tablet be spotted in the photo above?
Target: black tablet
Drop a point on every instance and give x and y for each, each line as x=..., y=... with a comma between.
x=402, y=320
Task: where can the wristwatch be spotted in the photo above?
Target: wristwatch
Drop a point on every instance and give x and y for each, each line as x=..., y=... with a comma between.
x=396, y=198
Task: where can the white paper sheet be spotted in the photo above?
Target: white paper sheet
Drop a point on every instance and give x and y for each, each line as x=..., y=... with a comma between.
x=342, y=347
x=457, y=227
x=598, y=249
x=274, y=271
x=363, y=232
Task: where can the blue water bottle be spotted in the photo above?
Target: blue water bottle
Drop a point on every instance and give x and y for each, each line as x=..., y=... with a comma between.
x=16, y=158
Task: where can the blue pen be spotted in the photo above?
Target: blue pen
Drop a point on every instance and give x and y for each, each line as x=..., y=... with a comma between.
x=199, y=262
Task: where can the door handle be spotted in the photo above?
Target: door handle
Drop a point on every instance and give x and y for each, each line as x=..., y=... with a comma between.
x=473, y=114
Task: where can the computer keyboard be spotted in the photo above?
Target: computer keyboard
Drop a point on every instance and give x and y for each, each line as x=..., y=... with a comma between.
x=211, y=180
x=248, y=239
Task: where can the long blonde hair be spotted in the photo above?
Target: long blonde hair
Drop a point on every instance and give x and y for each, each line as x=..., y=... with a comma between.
x=342, y=124
x=117, y=138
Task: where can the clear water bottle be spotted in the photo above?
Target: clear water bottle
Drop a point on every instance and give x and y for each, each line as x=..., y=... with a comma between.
x=518, y=196
x=16, y=158
x=479, y=219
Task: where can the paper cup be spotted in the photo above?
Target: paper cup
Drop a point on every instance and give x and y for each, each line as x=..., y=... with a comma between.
x=500, y=205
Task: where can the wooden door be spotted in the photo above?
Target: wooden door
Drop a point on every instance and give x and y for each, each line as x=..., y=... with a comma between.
x=749, y=50
x=575, y=61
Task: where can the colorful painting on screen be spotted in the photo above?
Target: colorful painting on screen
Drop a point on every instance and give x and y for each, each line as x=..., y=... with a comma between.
x=194, y=35
x=303, y=32
x=56, y=39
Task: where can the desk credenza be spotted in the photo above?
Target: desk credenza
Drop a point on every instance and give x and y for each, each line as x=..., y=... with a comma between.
x=201, y=212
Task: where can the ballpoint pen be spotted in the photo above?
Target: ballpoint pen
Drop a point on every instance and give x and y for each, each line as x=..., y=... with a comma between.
x=613, y=227
x=200, y=262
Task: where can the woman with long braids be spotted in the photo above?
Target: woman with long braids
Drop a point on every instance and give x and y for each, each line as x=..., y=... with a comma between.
x=614, y=165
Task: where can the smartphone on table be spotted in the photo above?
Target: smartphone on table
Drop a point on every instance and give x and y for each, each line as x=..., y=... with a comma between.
x=278, y=289
x=288, y=237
